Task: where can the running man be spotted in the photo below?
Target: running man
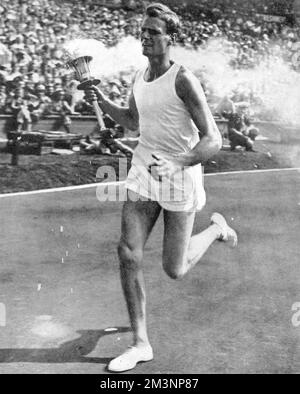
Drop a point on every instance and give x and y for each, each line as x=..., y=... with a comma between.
x=168, y=106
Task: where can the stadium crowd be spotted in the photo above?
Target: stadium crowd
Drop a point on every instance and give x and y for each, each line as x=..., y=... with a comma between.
x=34, y=81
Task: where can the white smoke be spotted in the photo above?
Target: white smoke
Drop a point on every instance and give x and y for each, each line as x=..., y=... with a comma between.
x=273, y=80
x=108, y=62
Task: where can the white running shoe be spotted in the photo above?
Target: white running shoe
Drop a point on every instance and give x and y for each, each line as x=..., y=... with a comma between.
x=130, y=358
x=227, y=233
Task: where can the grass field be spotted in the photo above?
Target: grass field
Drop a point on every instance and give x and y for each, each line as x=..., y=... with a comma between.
x=48, y=171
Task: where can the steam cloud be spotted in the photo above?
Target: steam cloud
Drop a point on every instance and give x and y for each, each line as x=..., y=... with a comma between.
x=273, y=80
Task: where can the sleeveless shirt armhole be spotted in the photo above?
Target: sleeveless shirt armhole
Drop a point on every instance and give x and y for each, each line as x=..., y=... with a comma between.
x=137, y=78
x=178, y=66
x=134, y=79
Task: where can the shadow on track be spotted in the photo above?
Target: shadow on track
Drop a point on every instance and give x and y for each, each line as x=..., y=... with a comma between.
x=73, y=351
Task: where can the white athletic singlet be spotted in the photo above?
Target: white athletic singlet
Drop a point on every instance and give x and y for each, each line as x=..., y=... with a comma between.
x=167, y=130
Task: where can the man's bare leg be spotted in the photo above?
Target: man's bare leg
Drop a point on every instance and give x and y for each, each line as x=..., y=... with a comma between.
x=138, y=219
x=181, y=250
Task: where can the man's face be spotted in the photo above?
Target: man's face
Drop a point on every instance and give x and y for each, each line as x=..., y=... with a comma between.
x=154, y=37
x=242, y=110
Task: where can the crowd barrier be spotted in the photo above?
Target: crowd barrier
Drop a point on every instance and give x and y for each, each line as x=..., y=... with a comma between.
x=80, y=124
x=84, y=125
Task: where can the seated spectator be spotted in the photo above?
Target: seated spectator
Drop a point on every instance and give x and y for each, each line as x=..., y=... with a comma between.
x=109, y=141
x=106, y=144
x=3, y=97
x=240, y=130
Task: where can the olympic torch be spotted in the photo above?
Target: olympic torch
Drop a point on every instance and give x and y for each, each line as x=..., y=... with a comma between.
x=83, y=75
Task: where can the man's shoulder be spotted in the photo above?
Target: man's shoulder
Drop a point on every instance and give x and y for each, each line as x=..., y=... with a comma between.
x=138, y=73
x=184, y=74
x=185, y=81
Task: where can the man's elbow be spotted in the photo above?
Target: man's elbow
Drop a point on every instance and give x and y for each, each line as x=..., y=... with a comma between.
x=217, y=141
x=133, y=124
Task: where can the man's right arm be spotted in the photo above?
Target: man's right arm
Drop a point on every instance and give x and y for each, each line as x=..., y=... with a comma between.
x=235, y=131
x=127, y=117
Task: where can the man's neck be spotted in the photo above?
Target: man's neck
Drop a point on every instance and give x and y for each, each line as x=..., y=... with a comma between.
x=157, y=67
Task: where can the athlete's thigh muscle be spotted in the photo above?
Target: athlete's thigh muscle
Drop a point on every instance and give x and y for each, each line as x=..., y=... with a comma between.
x=138, y=219
x=178, y=227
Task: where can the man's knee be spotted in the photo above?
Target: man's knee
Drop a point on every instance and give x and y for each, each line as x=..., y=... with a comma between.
x=130, y=257
x=253, y=133
x=173, y=270
x=249, y=144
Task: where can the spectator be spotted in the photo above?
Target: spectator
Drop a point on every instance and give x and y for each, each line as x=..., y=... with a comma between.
x=39, y=107
x=225, y=107
x=240, y=130
x=106, y=143
x=18, y=106
x=3, y=98
x=60, y=106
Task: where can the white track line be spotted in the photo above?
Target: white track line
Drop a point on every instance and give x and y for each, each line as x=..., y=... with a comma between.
x=252, y=171
x=79, y=187
x=61, y=189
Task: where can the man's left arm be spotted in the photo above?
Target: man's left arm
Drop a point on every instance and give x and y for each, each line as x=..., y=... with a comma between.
x=189, y=89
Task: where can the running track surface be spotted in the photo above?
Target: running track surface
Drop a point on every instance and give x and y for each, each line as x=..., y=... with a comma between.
x=231, y=314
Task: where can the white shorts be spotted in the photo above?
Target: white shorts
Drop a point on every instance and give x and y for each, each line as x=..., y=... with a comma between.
x=183, y=192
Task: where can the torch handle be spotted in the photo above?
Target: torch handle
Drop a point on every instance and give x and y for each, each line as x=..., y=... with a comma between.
x=98, y=115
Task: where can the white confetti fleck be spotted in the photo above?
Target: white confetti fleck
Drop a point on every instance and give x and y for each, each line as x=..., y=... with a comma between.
x=61, y=229
x=62, y=260
x=232, y=219
x=67, y=253
x=39, y=287
x=78, y=246
x=111, y=329
x=269, y=154
x=118, y=339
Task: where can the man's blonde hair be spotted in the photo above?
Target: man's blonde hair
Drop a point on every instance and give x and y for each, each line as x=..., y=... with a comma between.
x=161, y=11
